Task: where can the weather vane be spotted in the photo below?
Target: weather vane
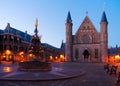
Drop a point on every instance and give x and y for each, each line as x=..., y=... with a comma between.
x=104, y=6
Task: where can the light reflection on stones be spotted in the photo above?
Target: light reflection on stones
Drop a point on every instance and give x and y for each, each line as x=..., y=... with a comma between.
x=7, y=69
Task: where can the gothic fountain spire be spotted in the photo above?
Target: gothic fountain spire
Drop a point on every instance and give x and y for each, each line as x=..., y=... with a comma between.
x=36, y=26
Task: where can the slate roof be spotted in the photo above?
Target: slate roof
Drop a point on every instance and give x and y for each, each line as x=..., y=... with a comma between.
x=25, y=37
x=69, y=17
x=104, y=18
x=48, y=45
x=1, y=31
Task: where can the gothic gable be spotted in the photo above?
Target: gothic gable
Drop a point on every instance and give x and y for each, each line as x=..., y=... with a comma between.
x=86, y=33
x=86, y=26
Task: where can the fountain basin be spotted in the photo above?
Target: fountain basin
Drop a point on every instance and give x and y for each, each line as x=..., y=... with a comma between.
x=35, y=66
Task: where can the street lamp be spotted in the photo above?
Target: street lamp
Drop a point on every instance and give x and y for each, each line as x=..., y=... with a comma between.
x=61, y=57
x=8, y=52
x=117, y=57
x=21, y=56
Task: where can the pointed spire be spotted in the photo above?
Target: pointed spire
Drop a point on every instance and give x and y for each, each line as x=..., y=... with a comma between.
x=62, y=41
x=104, y=18
x=36, y=26
x=69, y=17
x=62, y=45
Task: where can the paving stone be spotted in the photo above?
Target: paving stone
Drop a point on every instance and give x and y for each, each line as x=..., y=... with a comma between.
x=95, y=75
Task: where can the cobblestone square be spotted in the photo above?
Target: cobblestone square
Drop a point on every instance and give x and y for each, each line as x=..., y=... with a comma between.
x=94, y=75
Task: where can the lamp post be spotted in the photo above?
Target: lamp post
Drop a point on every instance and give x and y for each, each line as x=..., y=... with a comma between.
x=7, y=53
x=22, y=58
x=117, y=57
x=61, y=57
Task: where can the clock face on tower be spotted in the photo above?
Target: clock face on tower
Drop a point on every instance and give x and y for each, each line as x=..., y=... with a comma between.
x=86, y=39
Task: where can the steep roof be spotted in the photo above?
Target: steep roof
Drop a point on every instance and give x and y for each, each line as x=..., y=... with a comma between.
x=69, y=17
x=86, y=25
x=104, y=18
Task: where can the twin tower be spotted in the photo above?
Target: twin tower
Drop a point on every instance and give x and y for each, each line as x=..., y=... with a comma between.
x=87, y=45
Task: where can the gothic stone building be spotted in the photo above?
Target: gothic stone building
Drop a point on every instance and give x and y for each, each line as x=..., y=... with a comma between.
x=87, y=45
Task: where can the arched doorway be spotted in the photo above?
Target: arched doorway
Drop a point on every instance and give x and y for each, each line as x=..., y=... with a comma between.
x=86, y=56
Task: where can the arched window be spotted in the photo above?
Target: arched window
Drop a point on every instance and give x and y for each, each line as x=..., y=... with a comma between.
x=86, y=39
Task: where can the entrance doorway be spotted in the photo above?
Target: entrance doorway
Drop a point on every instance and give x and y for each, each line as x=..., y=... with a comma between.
x=86, y=56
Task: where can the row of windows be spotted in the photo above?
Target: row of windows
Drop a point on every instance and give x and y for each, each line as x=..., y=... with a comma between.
x=14, y=48
x=10, y=38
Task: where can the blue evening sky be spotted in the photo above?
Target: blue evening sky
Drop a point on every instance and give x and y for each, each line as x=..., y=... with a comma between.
x=51, y=14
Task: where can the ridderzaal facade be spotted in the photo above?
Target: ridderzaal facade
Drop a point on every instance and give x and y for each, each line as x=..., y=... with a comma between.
x=87, y=45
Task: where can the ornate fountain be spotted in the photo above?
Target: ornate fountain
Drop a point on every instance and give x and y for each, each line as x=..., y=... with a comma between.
x=36, y=48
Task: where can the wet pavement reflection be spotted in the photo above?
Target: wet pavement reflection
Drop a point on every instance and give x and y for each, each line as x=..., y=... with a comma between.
x=7, y=69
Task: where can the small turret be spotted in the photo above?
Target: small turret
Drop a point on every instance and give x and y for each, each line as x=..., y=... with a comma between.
x=103, y=23
x=68, y=47
x=62, y=45
x=104, y=37
x=69, y=18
